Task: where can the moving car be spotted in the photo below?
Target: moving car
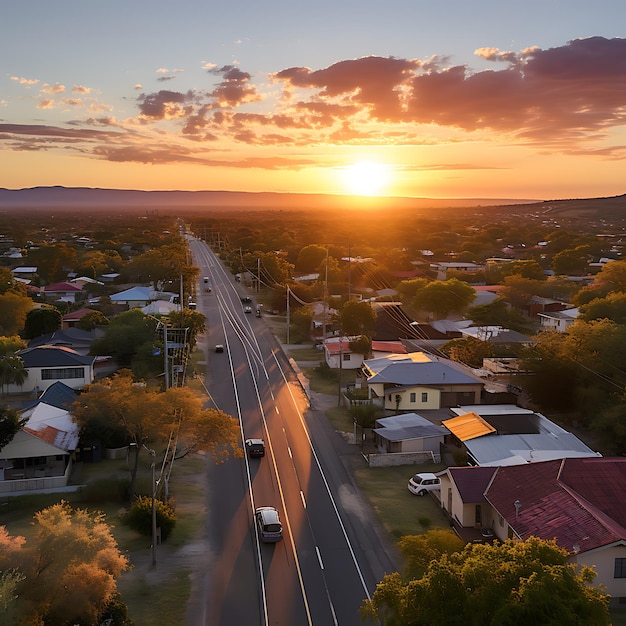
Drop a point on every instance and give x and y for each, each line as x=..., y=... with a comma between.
x=206, y=279
x=255, y=447
x=258, y=312
x=268, y=524
x=421, y=484
x=247, y=309
x=219, y=348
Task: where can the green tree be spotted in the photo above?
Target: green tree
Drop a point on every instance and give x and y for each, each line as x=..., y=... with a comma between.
x=10, y=425
x=408, y=288
x=301, y=319
x=419, y=550
x=570, y=262
x=497, y=313
x=468, y=350
x=311, y=258
x=10, y=345
x=51, y=260
x=13, y=311
x=518, y=290
x=612, y=276
x=357, y=318
x=12, y=371
x=71, y=549
x=362, y=345
x=515, y=582
x=92, y=320
x=529, y=269
x=8, y=284
x=41, y=321
x=193, y=320
x=442, y=297
x=613, y=307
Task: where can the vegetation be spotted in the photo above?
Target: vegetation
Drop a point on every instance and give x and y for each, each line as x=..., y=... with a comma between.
x=139, y=516
x=515, y=582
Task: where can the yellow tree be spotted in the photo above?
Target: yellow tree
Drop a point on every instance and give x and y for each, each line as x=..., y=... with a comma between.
x=72, y=549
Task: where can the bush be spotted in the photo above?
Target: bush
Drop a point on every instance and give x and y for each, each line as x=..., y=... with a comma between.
x=139, y=516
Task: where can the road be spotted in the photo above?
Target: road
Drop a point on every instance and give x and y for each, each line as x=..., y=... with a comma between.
x=333, y=552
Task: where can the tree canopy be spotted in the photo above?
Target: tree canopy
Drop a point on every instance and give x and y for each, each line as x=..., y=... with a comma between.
x=70, y=549
x=515, y=582
x=357, y=318
x=442, y=297
x=41, y=321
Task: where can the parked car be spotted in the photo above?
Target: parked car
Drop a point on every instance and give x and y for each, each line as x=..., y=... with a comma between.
x=268, y=524
x=219, y=348
x=421, y=484
x=255, y=447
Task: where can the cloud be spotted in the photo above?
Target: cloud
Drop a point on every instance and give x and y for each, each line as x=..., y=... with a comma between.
x=25, y=81
x=53, y=89
x=165, y=104
x=81, y=89
x=45, y=103
x=162, y=79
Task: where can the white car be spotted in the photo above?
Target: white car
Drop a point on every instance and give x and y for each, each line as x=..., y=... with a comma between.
x=421, y=484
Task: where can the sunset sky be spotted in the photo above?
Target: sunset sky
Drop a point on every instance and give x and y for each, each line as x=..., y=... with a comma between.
x=408, y=98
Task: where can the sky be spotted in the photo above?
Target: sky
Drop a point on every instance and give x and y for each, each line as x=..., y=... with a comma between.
x=448, y=99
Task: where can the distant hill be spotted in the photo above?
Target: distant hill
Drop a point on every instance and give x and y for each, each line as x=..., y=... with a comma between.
x=94, y=198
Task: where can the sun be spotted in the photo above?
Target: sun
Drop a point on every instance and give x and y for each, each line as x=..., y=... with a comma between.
x=366, y=178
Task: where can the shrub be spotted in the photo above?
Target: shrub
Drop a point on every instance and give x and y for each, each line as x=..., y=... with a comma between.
x=139, y=516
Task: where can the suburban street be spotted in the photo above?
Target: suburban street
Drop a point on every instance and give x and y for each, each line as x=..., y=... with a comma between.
x=333, y=551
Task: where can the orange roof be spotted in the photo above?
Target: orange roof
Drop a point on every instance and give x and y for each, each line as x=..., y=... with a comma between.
x=468, y=426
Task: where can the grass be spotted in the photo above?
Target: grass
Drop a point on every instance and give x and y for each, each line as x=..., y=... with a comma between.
x=306, y=354
x=400, y=512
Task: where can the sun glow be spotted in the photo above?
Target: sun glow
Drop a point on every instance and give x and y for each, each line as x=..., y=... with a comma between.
x=366, y=178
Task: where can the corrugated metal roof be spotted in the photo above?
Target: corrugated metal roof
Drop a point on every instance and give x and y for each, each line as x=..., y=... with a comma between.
x=551, y=507
x=468, y=426
x=472, y=482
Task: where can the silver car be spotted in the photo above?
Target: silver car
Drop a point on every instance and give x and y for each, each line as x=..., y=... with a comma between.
x=268, y=524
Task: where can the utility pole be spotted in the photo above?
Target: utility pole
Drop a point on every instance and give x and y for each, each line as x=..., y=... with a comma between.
x=288, y=320
x=325, y=299
x=258, y=275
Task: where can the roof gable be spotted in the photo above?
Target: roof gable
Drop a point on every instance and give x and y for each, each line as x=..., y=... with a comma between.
x=471, y=482
x=53, y=356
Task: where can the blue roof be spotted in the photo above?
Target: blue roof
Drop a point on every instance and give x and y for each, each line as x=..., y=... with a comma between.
x=58, y=394
x=53, y=356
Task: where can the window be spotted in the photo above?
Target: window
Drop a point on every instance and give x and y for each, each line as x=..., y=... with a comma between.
x=620, y=568
x=424, y=396
x=346, y=356
x=412, y=397
x=63, y=372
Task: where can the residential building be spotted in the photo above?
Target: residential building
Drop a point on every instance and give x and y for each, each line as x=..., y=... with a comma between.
x=560, y=321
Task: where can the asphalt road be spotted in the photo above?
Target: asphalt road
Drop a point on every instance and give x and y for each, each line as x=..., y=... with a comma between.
x=333, y=551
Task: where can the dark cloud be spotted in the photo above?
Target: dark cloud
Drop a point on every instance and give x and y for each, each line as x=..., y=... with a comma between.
x=165, y=104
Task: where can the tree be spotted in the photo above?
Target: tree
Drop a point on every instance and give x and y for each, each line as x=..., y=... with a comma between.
x=147, y=415
x=311, y=257
x=612, y=276
x=419, y=550
x=71, y=549
x=613, y=307
x=13, y=310
x=497, y=313
x=361, y=345
x=515, y=582
x=10, y=345
x=41, y=321
x=12, y=371
x=468, y=350
x=518, y=290
x=443, y=297
x=408, y=288
x=10, y=425
x=50, y=261
x=92, y=320
x=193, y=320
x=357, y=318
x=8, y=284
x=300, y=324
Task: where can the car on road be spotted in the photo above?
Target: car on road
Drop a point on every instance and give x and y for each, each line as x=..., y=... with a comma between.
x=206, y=280
x=421, y=484
x=247, y=309
x=268, y=524
x=246, y=299
x=255, y=447
x=258, y=312
x=219, y=348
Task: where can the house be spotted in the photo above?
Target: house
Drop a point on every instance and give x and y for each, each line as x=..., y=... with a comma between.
x=560, y=321
x=135, y=297
x=408, y=432
x=406, y=382
x=73, y=338
x=70, y=320
x=498, y=336
x=383, y=348
x=581, y=503
x=47, y=364
x=24, y=273
x=465, y=268
x=505, y=434
x=41, y=454
x=66, y=292
x=338, y=354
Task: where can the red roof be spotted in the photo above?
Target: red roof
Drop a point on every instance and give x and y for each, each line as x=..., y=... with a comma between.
x=395, y=347
x=62, y=287
x=579, y=502
x=76, y=315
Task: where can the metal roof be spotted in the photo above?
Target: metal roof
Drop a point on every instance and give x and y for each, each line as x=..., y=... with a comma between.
x=468, y=426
